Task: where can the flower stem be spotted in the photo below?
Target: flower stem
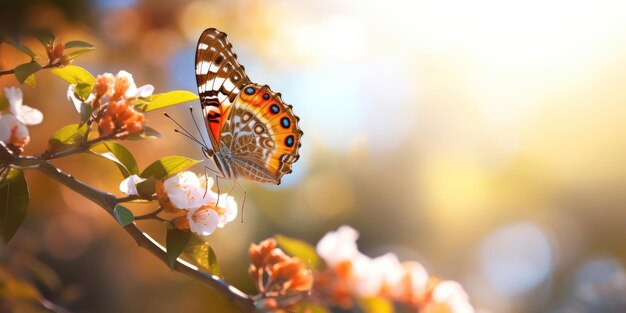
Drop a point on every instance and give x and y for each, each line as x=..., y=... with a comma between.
x=151, y=216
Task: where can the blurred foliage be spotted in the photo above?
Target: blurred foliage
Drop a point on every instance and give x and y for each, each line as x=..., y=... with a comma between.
x=435, y=128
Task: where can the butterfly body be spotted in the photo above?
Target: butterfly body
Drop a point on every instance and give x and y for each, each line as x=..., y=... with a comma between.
x=253, y=133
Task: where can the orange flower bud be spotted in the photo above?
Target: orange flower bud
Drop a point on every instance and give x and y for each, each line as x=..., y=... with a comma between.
x=259, y=253
x=120, y=88
x=121, y=115
x=135, y=123
x=56, y=50
x=104, y=85
x=106, y=125
x=276, y=273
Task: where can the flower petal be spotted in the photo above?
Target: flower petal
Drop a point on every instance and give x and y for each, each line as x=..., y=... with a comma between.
x=15, y=97
x=131, y=92
x=23, y=113
x=228, y=204
x=452, y=293
x=72, y=96
x=370, y=274
x=7, y=121
x=128, y=185
x=29, y=116
x=338, y=246
x=185, y=191
x=144, y=91
x=203, y=221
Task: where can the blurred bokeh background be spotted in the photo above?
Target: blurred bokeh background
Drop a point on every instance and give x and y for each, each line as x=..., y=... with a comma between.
x=485, y=139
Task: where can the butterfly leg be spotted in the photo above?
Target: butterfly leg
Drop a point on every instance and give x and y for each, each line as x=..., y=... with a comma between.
x=245, y=195
x=206, y=177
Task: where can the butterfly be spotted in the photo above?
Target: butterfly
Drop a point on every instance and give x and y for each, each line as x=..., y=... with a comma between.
x=254, y=134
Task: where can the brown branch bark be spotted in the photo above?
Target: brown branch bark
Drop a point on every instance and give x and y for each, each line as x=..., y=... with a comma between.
x=108, y=202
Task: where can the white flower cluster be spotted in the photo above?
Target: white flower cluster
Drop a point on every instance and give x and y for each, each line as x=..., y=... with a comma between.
x=386, y=272
x=13, y=123
x=206, y=210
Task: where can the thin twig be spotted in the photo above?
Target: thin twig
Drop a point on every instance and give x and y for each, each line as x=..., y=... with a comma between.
x=82, y=147
x=108, y=202
x=152, y=215
x=133, y=198
x=47, y=66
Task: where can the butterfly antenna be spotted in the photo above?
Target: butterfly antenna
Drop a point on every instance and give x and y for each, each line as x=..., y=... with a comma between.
x=185, y=132
x=196, y=124
x=189, y=137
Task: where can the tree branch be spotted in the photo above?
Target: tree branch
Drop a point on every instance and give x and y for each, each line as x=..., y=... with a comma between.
x=108, y=202
x=47, y=66
x=82, y=147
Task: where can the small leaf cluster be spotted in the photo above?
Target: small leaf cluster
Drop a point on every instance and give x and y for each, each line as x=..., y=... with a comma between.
x=58, y=54
x=81, y=136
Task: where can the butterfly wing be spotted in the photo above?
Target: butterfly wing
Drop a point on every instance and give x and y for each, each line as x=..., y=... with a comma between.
x=220, y=78
x=262, y=134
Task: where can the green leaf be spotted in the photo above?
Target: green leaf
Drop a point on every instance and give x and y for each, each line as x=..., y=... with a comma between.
x=14, y=200
x=19, y=46
x=214, y=266
x=118, y=154
x=12, y=176
x=44, y=36
x=30, y=81
x=85, y=112
x=78, y=76
x=175, y=242
x=123, y=215
x=167, y=166
x=74, y=75
x=78, y=52
x=376, y=305
x=301, y=249
x=203, y=255
x=147, y=187
x=22, y=72
x=67, y=136
x=147, y=133
x=163, y=100
x=78, y=44
x=83, y=91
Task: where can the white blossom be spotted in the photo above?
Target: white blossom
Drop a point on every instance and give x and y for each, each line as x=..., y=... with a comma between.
x=338, y=246
x=228, y=205
x=372, y=274
x=206, y=210
x=12, y=131
x=186, y=191
x=129, y=185
x=132, y=91
x=203, y=221
x=452, y=293
x=25, y=114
